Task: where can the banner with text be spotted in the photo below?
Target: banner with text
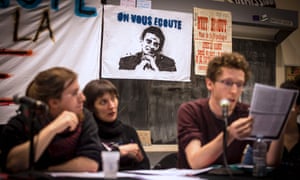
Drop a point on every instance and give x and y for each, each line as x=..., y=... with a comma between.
x=37, y=35
x=212, y=36
x=141, y=43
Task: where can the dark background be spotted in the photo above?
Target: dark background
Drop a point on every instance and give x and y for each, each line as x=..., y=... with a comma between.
x=152, y=105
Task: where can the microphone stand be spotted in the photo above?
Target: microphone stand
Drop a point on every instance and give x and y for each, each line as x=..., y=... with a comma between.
x=225, y=170
x=32, y=118
x=31, y=174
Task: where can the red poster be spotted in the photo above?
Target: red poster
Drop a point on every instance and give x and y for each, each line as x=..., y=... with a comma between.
x=212, y=36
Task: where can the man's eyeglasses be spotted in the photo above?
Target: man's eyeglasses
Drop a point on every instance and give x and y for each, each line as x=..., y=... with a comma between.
x=230, y=83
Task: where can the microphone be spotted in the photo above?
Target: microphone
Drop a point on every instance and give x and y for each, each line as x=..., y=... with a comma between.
x=224, y=103
x=30, y=102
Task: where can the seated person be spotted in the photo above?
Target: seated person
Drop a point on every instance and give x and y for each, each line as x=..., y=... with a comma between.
x=102, y=100
x=65, y=137
x=201, y=124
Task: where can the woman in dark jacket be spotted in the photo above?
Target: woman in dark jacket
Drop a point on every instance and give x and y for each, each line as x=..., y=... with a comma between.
x=102, y=100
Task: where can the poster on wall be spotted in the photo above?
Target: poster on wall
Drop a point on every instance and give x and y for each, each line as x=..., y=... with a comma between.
x=262, y=3
x=291, y=72
x=37, y=35
x=141, y=43
x=212, y=36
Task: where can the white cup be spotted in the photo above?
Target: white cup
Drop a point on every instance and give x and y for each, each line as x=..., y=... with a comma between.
x=110, y=163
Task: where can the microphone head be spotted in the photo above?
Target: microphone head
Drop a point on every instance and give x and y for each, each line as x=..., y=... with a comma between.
x=224, y=103
x=33, y=103
x=16, y=98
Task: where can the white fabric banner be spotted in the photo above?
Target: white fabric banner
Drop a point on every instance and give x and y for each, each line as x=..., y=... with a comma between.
x=37, y=35
x=123, y=55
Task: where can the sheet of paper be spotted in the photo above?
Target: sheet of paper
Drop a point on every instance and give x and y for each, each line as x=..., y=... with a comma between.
x=144, y=4
x=172, y=171
x=127, y=3
x=146, y=175
x=270, y=107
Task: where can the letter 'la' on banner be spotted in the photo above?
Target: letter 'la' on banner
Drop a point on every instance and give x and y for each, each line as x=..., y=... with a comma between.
x=36, y=35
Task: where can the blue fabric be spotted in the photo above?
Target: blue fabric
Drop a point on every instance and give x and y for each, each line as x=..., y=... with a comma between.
x=248, y=159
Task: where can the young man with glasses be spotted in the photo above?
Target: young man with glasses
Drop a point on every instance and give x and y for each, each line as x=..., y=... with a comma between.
x=201, y=122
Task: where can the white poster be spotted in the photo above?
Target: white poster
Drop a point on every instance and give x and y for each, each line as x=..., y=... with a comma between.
x=212, y=36
x=37, y=35
x=141, y=43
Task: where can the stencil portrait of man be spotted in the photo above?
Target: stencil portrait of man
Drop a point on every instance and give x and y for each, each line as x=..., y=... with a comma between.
x=150, y=57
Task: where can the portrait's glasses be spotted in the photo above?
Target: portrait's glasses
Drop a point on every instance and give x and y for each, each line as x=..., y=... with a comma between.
x=229, y=83
x=151, y=42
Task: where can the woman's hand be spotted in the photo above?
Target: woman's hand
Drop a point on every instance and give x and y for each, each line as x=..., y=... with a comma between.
x=131, y=150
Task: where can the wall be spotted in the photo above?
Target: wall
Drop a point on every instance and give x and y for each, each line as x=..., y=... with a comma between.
x=152, y=105
x=288, y=52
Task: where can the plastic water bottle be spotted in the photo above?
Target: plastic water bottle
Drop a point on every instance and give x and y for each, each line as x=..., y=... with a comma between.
x=259, y=158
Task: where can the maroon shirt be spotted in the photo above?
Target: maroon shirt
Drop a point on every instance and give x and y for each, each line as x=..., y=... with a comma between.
x=197, y=121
